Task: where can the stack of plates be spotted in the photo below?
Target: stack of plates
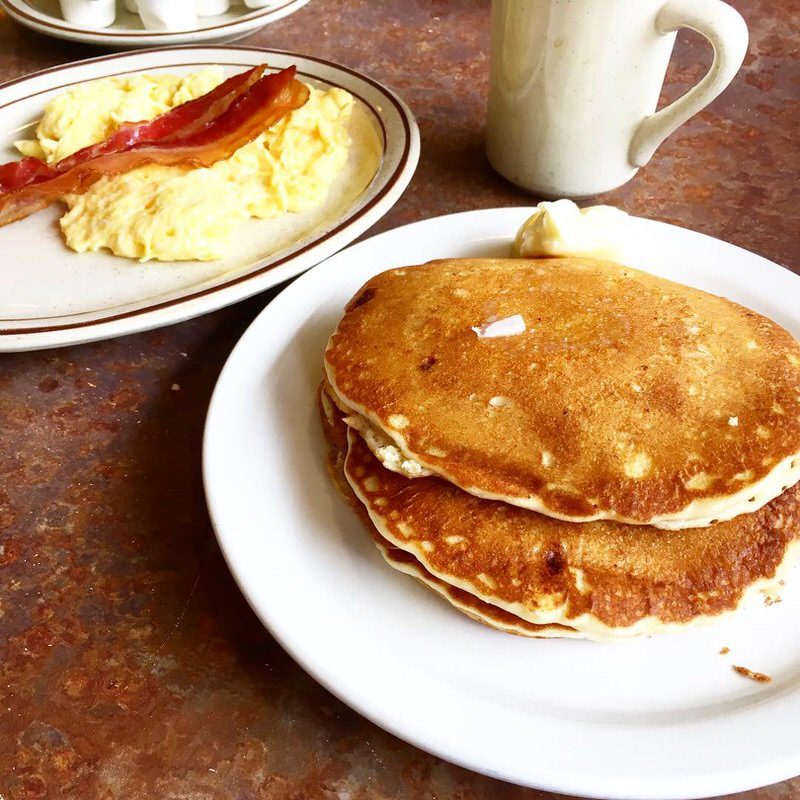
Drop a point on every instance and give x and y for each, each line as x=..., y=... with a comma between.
x=45, y=16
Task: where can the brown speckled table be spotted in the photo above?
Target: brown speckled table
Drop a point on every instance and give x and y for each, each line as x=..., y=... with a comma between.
x=130, y=666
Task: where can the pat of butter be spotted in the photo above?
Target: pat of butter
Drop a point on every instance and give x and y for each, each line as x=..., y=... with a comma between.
x=509, y=326
x=560, y=228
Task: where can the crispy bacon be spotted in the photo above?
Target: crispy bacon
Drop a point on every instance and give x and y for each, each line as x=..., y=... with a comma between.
x=208, y=132
x=17, y=174
x=184, y=118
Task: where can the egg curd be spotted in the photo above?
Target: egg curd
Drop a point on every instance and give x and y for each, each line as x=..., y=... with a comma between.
x=175, y=213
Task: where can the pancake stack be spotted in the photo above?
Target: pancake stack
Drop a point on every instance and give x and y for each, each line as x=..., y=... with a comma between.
x=568, y=447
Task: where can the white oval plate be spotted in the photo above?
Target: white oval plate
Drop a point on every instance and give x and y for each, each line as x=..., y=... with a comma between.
x=655, y=718
x=44, y=16
x=51, y=296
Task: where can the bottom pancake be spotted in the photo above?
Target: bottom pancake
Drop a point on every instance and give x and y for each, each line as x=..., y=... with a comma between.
x=468, y=604
x=604, y=579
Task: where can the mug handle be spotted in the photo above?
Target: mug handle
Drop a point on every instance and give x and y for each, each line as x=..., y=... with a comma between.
x=725, y=29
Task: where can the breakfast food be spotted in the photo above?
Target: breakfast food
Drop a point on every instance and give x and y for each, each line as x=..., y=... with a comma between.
x=602, y=578
x=578, y=388
x=560, y=447
x=200, y=134
x=404, y=561
x=216, y=153
x=532, y=575
x=560, y=228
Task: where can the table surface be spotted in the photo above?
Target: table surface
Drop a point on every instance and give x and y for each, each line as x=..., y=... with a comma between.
x=130, y=665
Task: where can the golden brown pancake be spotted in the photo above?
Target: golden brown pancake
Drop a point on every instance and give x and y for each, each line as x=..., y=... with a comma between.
x=602, y=578
x=578, y=388
x=403, y=561
x=467, y=603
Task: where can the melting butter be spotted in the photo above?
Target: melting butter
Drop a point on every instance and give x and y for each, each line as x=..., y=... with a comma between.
x=560, y=228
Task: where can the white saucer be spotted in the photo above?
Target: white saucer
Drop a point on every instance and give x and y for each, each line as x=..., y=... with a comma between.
x=52, y=296
x=45, y=17
x=657, y=718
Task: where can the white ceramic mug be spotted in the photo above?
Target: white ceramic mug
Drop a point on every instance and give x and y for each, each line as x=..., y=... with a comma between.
x=574, y=86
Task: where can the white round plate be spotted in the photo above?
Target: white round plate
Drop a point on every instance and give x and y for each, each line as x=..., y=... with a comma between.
x=51, y=296
x=44, y=16
x=657, y=718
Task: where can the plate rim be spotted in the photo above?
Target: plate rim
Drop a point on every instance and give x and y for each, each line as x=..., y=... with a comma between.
x=351, y=224
x=747, y=777
x=33, y=19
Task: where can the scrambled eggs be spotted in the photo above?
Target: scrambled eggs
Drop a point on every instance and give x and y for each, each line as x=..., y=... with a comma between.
x=173, y=213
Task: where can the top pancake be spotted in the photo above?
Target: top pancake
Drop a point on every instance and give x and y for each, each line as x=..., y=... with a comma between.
x=613, y=394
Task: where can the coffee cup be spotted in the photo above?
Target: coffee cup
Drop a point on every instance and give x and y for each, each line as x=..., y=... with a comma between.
x=574, y=86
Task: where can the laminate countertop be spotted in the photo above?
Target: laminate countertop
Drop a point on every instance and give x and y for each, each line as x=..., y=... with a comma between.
x=130, y=665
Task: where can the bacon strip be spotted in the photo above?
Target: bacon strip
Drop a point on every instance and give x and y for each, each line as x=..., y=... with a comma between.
x=185, y=118
x=269, y=99
x=179, y=121
x=17, y=174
